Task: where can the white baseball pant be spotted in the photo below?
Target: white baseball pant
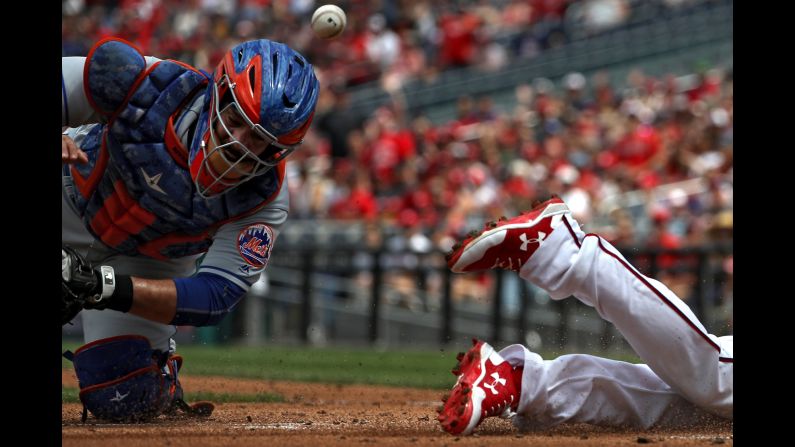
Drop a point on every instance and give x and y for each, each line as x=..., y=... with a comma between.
x=688, y=372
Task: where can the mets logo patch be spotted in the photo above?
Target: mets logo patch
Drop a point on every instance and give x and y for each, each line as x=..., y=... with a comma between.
x=254, y=244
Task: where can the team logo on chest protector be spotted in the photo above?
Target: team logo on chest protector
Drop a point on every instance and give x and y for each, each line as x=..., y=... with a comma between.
x=254, y=244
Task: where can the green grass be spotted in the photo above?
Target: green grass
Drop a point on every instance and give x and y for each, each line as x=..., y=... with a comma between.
x=70, y=395
x=416, y=369
x=420, y=369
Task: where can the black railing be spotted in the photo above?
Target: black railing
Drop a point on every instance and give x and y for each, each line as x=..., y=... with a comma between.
x=446, y=316
x=338, y=261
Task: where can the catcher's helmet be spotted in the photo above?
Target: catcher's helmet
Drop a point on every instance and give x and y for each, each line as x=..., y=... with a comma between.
x=270, y=92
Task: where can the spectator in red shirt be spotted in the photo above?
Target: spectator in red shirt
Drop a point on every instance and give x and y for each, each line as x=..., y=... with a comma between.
x=639, y=145
x=458, y=46
x=359, y=204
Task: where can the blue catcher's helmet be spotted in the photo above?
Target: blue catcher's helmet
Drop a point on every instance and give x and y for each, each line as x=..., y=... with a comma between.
x=263, y=101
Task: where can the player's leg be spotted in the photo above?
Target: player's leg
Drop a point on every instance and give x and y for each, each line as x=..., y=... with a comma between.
x=126, y=358
x=98, y=324
x=547, y=248
x=517, y=383
x=580, y=388
x=658, y=325
x=106, y=323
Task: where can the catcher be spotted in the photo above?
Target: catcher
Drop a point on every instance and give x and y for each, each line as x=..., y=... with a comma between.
x=174, y=192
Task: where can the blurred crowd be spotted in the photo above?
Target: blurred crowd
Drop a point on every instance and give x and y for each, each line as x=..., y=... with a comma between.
x=385, y=40
x=645, y=161
x=668, y=141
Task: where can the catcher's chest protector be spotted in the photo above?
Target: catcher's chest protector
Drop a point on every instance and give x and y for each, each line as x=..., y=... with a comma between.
x=136, y=193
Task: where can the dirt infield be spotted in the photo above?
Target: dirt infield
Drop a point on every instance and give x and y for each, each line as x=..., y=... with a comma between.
x=320, y=415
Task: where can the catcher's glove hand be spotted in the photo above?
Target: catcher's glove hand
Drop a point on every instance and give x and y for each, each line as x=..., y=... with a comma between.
x=82, y=287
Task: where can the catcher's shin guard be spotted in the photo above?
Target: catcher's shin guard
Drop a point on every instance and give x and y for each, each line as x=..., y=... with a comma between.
x=122, y=379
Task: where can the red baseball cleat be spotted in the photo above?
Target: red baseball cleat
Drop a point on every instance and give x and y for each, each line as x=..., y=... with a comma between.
x=507, y=244
x=487, y=386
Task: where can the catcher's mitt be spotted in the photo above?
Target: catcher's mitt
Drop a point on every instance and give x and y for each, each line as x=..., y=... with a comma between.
x=79, y=283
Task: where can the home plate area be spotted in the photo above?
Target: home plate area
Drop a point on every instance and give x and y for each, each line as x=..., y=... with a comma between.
x=316, y=414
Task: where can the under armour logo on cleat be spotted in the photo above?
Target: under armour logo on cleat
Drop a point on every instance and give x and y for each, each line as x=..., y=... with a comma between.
x=525, y=240
x=497, y=379
x=119, y=397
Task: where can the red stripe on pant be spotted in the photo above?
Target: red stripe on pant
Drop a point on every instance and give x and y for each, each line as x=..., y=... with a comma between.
x=646, y=283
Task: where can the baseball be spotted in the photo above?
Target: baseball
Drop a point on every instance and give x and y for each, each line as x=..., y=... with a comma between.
x=328, y=21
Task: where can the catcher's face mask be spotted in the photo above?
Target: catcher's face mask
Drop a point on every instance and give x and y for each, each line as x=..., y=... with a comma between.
x=238, y=149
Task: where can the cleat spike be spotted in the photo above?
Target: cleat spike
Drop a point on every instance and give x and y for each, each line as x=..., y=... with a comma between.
x=512, y=244
x=474, y=397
